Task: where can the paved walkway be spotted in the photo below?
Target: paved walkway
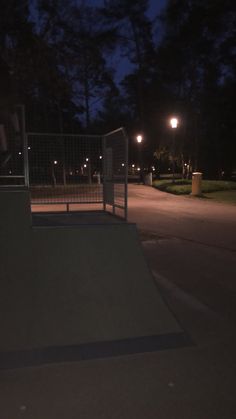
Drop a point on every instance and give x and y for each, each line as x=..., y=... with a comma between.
x=189, y=242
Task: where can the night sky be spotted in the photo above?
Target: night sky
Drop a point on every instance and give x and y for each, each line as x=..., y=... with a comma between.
x=155, y=5
x=122, y=65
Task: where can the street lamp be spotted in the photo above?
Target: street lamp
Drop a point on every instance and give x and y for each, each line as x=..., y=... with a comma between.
x=174, y=122
x=139, y=138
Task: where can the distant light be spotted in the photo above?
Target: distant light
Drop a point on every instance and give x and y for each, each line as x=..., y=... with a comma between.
x=133, y=165
x=185, y=164
x=174, y=122
x=123, y=164
x=85, y=165
x=138, y=169
x=100, y=157
x=55, y=162
x=139, y=138
x=29, y=148
x=153, y=168
x=20, y=153
x=71, y=173
x=87, y=159
x=10, y=172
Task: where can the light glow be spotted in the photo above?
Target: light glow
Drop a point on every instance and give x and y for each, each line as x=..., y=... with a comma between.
x=139, y=138
x=174, y=122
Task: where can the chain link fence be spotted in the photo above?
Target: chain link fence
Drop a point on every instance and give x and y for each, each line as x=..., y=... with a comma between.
x=79, y=169
x=65, y=168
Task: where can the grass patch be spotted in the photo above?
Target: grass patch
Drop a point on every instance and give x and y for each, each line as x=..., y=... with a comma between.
x=223, y=196
x=180, y=187
x=184, y=186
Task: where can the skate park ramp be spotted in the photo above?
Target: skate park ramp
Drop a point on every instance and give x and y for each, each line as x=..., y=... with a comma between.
x=75, y=292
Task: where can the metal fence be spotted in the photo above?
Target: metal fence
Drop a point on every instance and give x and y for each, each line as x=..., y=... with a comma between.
x=78, y=169
x=115, y=151
x=65, y=169
x=12, y=146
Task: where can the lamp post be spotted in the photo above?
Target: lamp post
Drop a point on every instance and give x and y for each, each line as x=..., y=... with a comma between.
x=174, y=125
x=139, y=139
x=53, y=164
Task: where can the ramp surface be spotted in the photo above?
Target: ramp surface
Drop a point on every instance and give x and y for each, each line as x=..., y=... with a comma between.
x=72, y=286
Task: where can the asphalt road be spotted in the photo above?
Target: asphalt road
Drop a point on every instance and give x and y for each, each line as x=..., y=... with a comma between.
x=190, y=245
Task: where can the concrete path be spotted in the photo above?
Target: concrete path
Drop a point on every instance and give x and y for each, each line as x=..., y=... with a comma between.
x=190, y=242
x=188, y=218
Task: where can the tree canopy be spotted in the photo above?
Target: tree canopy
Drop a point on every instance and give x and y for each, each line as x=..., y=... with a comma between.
x=59, y=58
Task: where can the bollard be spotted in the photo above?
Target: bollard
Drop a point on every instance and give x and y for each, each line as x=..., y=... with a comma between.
x=196, y=183
x=148, y=179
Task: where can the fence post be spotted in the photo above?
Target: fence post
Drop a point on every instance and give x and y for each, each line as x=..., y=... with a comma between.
x=126, y=174
x=104, y=171
x=25, y=146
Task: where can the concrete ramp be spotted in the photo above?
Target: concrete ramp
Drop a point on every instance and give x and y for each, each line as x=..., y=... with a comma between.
x=70, y=286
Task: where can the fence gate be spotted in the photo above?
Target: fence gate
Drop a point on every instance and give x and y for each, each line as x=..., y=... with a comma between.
x=79, y=169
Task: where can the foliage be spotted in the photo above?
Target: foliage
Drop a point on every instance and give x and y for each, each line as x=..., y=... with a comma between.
x=59, y=59
x=184, y=186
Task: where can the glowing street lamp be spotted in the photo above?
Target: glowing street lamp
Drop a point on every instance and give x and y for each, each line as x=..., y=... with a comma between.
x=174, y=122
x=139, y=138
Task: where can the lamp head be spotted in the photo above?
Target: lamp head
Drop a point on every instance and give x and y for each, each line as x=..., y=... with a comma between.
x=174, y=122
x=139, y=138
